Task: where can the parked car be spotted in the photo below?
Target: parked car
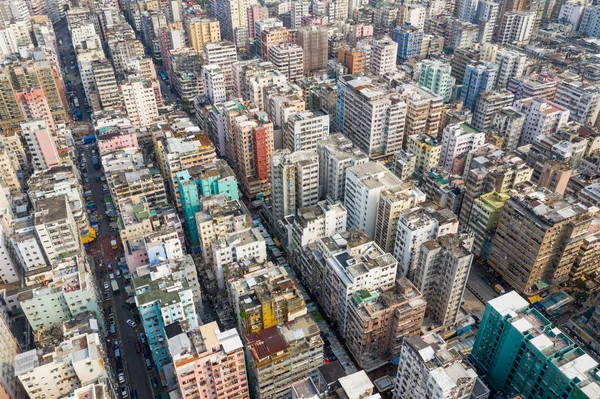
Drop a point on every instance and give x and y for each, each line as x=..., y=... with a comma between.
x=154, y=382
x=131, y=323
x=109, y=267
x=134, y=394
x=136, y=318
x=146, y=350
x=124, y=392
x=138, y=347
x=106, y=285
x=116, y=344
x=109, y=310
x=106, y=295
x=122, y=378
x=143, y=338
x=149, y=365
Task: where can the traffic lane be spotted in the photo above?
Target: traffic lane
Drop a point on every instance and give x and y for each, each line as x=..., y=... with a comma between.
x=133, y=362
x=472, y=304
x=477, y=283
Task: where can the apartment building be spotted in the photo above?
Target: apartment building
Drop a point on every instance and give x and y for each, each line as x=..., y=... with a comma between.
x=246, y=244
x=440, y=274
x=528, y=264
x=213, y=81
x=202, y=31
x=288, y=58
x=427, y=151
x=362, y=108
x=164, y=299
x=282, y=355
x=435, y=76
x=380, y=320
x=384, y=53
x=508, y=123
x=417, y=226
x=513, y=336
x=353, y=59
x=105, y=84
x=209, y=363
x=429, y=369
x=423, y=111
x=55, y=227
x=264, y=298
x=364, y=185
x=76, y=362
x=478, y=78
x=139, y=97
x=511, y=64
x=542, y=117
x=336, y=154
x=542, y=85
x=304, y=130
x=516, y=27
x=487, y=107
x=483, y=220
x=251, y=162
x=41, y=143
x=458, y=139
x=314, y=42
x=223, y=54
x=582, y=100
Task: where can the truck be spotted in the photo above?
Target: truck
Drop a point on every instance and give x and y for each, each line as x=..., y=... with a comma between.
x=78, y=114
x=89, y=139
x=96, y=162
x=499, y=289
x=115, y=287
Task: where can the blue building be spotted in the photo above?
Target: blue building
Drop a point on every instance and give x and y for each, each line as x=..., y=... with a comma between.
x=201, y=181
x=479, y=78
x=409, y=41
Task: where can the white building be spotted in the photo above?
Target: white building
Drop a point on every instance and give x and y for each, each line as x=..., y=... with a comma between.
x=245, y=244
x=416, y=227
x=458, y=139
x=581, y=99
x=542, y=117
x=511, y=64
x=9, y=349
x=364, y=184
x=288, y=58
x=55, y=228
x=590, y=21
x=223, y=54
x=572, y=12
x=139, y=96
x=428, y=370
x=76, y=362
x=371, y=116
x=384, y=52
x=294, y=181
x=213, y=81
x=516, y=27
x=304, y=130
x=336, y=154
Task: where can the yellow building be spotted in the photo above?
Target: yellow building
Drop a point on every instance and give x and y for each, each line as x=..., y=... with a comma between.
x=202, y=31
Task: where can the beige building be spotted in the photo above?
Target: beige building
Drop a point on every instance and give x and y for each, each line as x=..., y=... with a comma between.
x=202, y=31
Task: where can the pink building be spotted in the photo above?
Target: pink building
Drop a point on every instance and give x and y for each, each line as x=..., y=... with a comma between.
x=34, y=105
x=116, y=139
x=360, y=32
x=255, y=13
x=41, y=144
x=209, y=364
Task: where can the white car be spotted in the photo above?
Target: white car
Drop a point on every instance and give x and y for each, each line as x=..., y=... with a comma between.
x=131, y=323
x=106, y=285
x=122, y=378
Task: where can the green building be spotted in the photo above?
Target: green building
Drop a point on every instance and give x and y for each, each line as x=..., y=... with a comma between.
x=521, y=353
x=202, y=181
x=483, y=220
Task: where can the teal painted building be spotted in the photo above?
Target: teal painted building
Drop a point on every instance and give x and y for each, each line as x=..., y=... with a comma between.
x=521, y=353
x=202, y=181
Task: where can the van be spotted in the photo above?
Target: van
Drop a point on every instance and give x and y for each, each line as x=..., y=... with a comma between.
x=149, y=364
x=117, y=353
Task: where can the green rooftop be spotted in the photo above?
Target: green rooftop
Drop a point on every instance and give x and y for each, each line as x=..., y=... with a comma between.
x=468, y=129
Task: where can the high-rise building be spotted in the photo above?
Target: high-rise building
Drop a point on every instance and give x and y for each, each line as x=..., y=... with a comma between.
x=213, y=81
x=384, y=53
x=364, y=185
x=261, y=25
x=314, y=42
x=590, y=22
x=371, y=116
x=436, y=77
x=288, y=59
x=354, y=60
x=256, y=12
x=513, y=336
x=487, y=107
x=139, y=97
x=559, y=227
x=508, y=123
x=511, y=64
x=105, y=84
x=429, y=370
x=483, y=220
x=460, y=34
x=41, y=144
x=294, y=181
x=458, y=139
x=466, y=9
x=298, y=9
x=478, y=78
x=292, y=352
x=423, y=111
x=486, y=16
x=232, y=15
x=224, y=54
x=542, y=117
x=271, y=36
x=535, y=85
x=427, y=151
x=399, y=311
x=336, y=154
x=251, y=135
x=516, y=27
x=582, y=100
x=202, y=31
x=205, y=352
x=9, y=350
x=440, y=274
x=304, y=130
x=409, y=39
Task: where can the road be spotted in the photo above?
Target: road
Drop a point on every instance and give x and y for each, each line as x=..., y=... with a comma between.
x=134, y=366
x=66, y=58
x=478, y=285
